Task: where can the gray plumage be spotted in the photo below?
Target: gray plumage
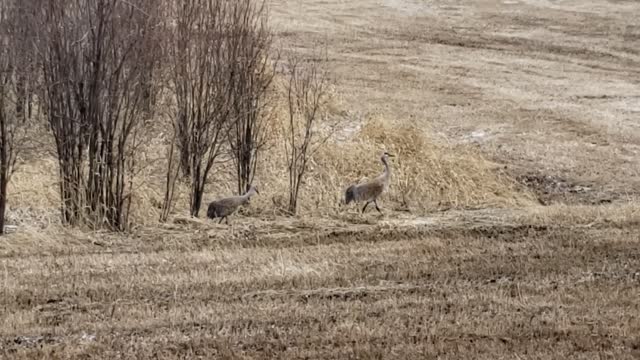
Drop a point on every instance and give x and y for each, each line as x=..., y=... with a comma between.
x=227, y=206
x=370, y=190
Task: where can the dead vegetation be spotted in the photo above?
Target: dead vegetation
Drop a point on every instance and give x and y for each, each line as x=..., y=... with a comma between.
x=294, y=289
x=15, y=90
x=513, y=220
x=93, y=83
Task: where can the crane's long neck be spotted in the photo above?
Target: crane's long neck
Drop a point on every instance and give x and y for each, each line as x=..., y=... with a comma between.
x=387, y=169
x=246, y=196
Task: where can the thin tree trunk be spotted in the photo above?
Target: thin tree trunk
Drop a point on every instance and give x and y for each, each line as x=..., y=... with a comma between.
x=3, y=199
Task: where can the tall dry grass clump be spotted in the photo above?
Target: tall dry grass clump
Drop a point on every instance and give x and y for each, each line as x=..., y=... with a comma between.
x=425, y=175
x=431, y=174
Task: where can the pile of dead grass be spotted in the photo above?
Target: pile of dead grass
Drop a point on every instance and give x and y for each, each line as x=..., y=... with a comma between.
x=426, y=175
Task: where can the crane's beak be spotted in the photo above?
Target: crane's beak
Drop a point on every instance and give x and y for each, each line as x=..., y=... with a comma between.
x=390, y=155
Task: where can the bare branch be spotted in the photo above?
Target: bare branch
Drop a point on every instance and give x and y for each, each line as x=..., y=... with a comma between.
x=16, y=88
x=306, y=97
x=95, y=71
x=203, y=52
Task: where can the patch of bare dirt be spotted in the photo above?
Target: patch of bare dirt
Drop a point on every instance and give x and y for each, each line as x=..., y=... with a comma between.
x=551, y=189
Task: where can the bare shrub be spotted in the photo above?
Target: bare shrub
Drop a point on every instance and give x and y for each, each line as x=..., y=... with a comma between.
x=202, y=82
x=172, y=173
x=15, y=85
x=95, y=59
x=306, y=93
x=250, y=42
x=22, y=35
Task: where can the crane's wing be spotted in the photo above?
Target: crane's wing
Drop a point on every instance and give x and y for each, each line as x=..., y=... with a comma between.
x=222, y=207
x=370, y=190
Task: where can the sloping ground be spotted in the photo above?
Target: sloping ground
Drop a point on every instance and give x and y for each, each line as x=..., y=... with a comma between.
x=551, y=89
x=484, y=284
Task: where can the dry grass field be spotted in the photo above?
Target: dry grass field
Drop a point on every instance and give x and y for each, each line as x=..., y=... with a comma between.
x=516, y=129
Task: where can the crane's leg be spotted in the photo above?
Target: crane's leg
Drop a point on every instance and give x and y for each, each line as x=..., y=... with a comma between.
x=220, y=221
x=365, y=206
x=377, y=208
x=226, y=220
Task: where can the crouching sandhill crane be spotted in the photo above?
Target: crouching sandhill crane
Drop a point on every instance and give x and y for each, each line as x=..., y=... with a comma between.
x=370, y=190
x=227, y=206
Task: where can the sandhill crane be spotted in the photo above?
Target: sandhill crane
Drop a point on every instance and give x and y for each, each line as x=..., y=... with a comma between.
x=227, y=206
x=369, y=191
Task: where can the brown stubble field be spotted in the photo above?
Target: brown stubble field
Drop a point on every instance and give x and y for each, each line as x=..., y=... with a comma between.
x=549, y=91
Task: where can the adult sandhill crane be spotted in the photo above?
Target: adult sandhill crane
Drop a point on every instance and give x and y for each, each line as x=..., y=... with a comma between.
x=227, y=206
x=371, y=190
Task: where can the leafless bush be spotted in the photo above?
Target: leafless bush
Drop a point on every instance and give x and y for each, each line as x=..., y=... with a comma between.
x=201, y=58
x=172, y=173
x=306, y=92
x=250, y=42
x=15, y=87
x=22, y=51
x=95, y=58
